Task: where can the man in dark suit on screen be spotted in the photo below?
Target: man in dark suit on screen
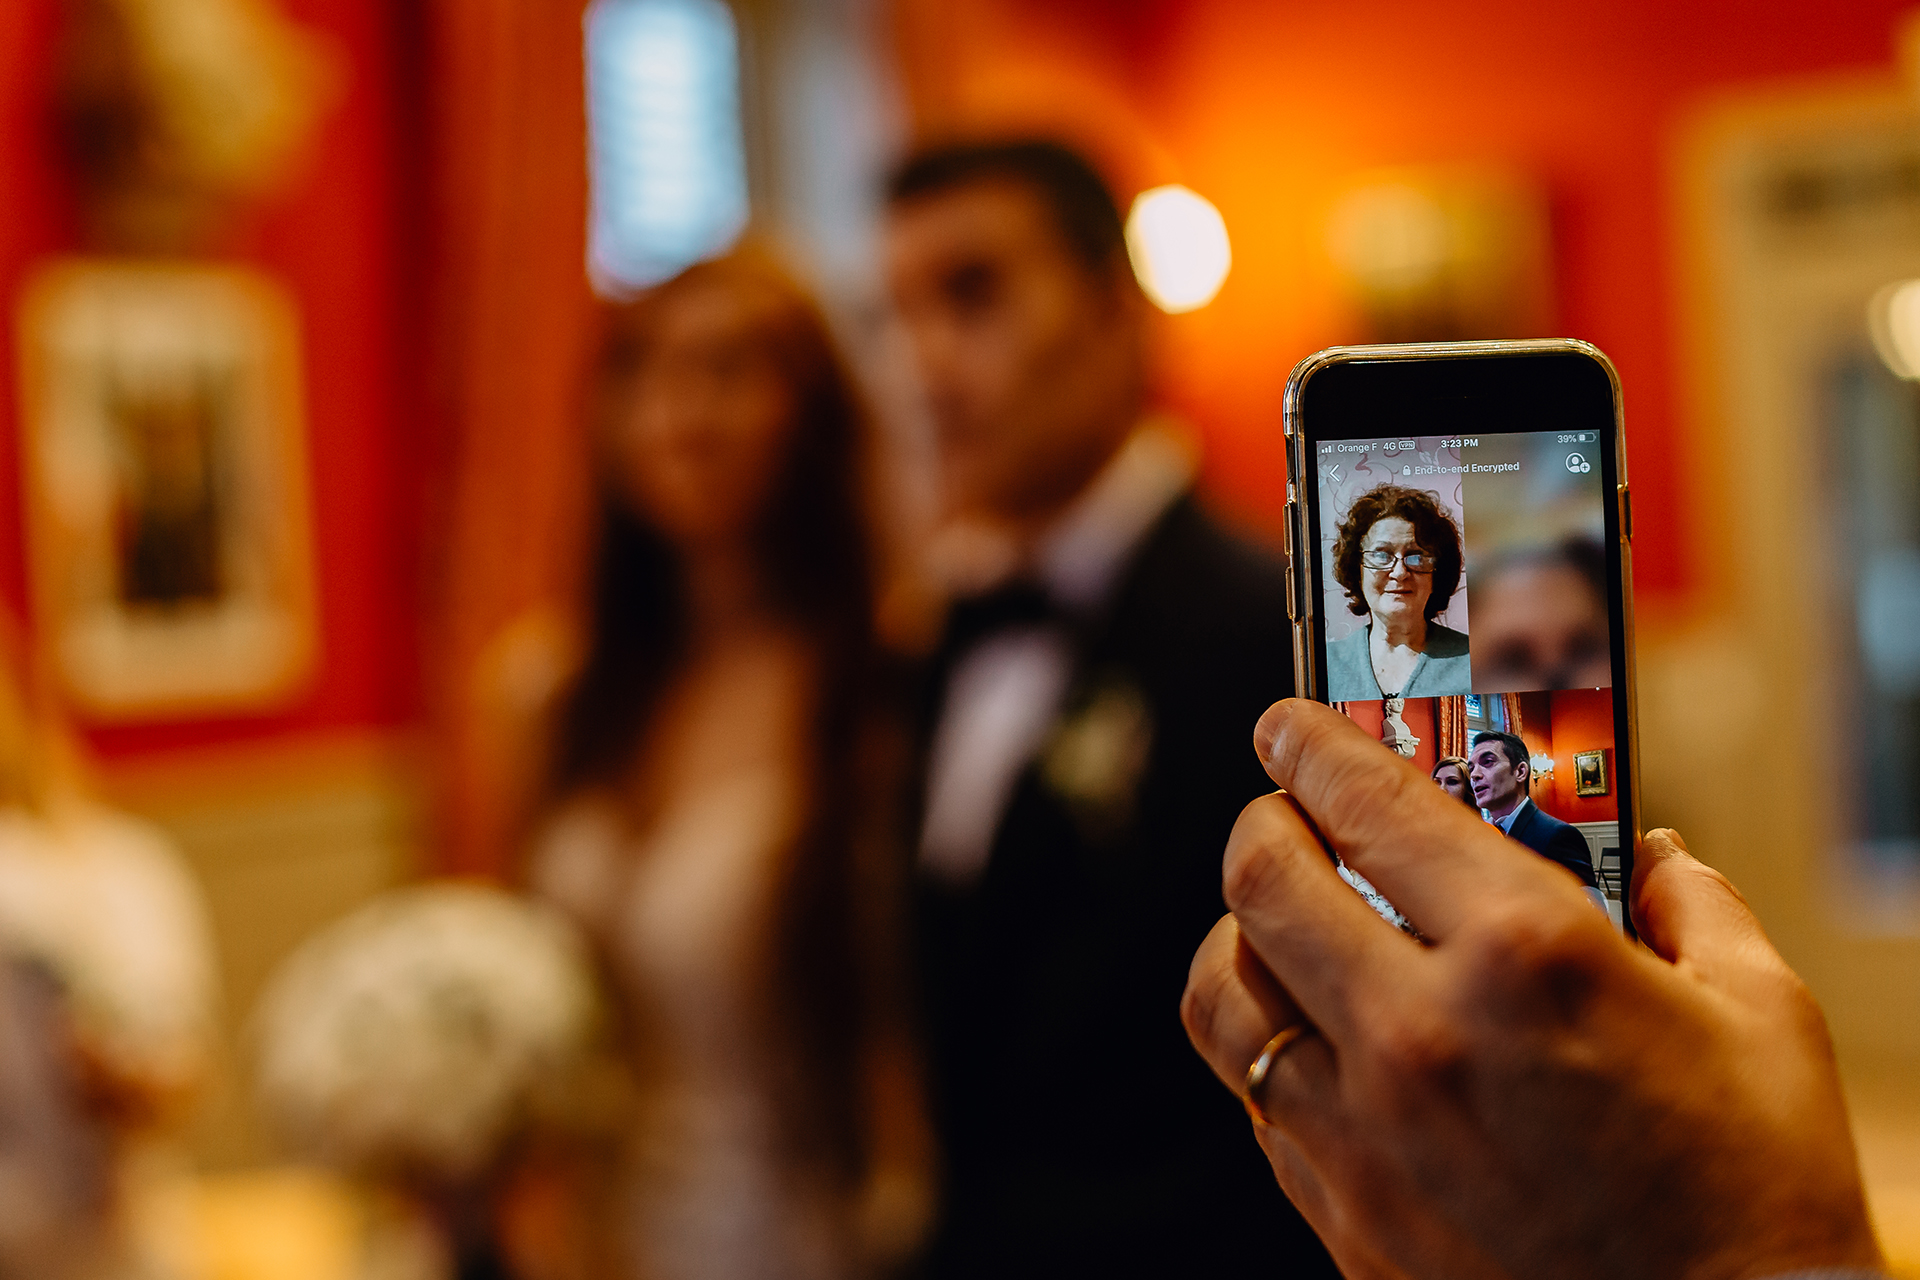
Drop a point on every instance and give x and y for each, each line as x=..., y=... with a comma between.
x=1499, y=770
x=1085, y=748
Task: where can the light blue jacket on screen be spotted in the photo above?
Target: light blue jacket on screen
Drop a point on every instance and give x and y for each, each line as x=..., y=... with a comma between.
x=1440, y=671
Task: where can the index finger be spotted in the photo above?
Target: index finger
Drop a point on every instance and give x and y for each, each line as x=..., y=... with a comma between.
x=1325, y=947
x=1386, y=820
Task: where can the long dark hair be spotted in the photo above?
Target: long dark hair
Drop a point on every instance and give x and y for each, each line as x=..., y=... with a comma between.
x=814, y=558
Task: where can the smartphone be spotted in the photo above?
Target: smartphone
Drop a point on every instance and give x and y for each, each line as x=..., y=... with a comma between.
x=1459, y=553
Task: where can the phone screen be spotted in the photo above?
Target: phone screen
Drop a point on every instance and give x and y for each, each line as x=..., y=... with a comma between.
x=1462, y=591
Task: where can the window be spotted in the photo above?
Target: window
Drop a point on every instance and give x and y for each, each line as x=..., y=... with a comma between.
x=668, y=162
x=1874, y=466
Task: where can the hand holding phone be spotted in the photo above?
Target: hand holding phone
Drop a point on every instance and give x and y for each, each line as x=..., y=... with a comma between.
x=1459, y=555
x=1517, y=1090
x=1522, y=1092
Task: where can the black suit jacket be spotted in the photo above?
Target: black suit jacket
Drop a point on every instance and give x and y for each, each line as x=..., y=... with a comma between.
x=1082, y=1133
x=1551, y=838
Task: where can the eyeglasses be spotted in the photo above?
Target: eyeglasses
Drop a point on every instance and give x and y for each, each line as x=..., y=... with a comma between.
x=1416, y=561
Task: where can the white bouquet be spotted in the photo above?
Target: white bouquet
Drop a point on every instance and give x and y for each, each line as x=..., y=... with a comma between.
x=106, y=905
x=414, y=1036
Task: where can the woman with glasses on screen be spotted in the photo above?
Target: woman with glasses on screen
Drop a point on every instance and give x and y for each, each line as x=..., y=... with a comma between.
x=1398, y=559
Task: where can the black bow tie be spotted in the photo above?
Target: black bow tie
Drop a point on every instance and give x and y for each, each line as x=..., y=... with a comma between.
x=1017, y=604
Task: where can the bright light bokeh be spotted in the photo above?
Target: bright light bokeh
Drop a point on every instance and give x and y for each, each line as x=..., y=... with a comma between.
x=1893, y=317
x=1178, y=243
x=669, y=169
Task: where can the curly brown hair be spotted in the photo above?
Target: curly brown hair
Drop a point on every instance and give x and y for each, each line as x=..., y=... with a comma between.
x=1433, y=529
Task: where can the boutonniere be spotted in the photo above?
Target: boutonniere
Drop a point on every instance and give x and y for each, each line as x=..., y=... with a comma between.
x=1096, y=754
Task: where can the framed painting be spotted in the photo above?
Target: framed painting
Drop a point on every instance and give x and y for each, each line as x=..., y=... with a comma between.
x=166, y=487
x=1590, y=773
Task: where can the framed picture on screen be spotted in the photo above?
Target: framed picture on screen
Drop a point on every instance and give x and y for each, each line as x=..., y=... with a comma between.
x=1590, y=773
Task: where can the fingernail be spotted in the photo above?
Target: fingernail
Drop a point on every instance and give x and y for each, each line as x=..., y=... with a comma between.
x=1267, y=732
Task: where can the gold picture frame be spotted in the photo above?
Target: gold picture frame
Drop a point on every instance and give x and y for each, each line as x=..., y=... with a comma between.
x=1590, y=773
x=165, y=469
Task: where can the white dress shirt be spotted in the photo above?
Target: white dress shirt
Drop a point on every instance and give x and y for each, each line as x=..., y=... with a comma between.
x=1004, y=694
x=1512, y=816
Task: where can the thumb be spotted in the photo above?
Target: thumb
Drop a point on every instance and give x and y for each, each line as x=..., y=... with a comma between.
x=1306, y=726
x=1266, y=731
x=1693, y=917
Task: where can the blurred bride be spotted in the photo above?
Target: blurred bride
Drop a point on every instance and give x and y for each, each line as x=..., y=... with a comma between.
x=722, y=781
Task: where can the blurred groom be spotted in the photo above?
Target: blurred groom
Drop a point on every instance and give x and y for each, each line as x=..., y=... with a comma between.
x=1085, y=748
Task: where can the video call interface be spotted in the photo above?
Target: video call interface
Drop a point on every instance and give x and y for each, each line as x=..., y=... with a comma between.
x=1465, y=622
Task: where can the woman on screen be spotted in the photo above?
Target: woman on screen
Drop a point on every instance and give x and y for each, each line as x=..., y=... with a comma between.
x=1398, y=558
x=1450, y=772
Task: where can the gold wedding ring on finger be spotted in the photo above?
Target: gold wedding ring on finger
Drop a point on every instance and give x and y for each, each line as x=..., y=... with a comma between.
x=1263, y=1065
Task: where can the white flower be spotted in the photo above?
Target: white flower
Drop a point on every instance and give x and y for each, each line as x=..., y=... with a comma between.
x=104, y=902
x=412, y=1035
x=1097, y=756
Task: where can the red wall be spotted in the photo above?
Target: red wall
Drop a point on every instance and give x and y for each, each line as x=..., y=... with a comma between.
x=1582, y=721
x=1418, y=715
x=343, y=238
x=1267, y=108
x=1552, y=724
